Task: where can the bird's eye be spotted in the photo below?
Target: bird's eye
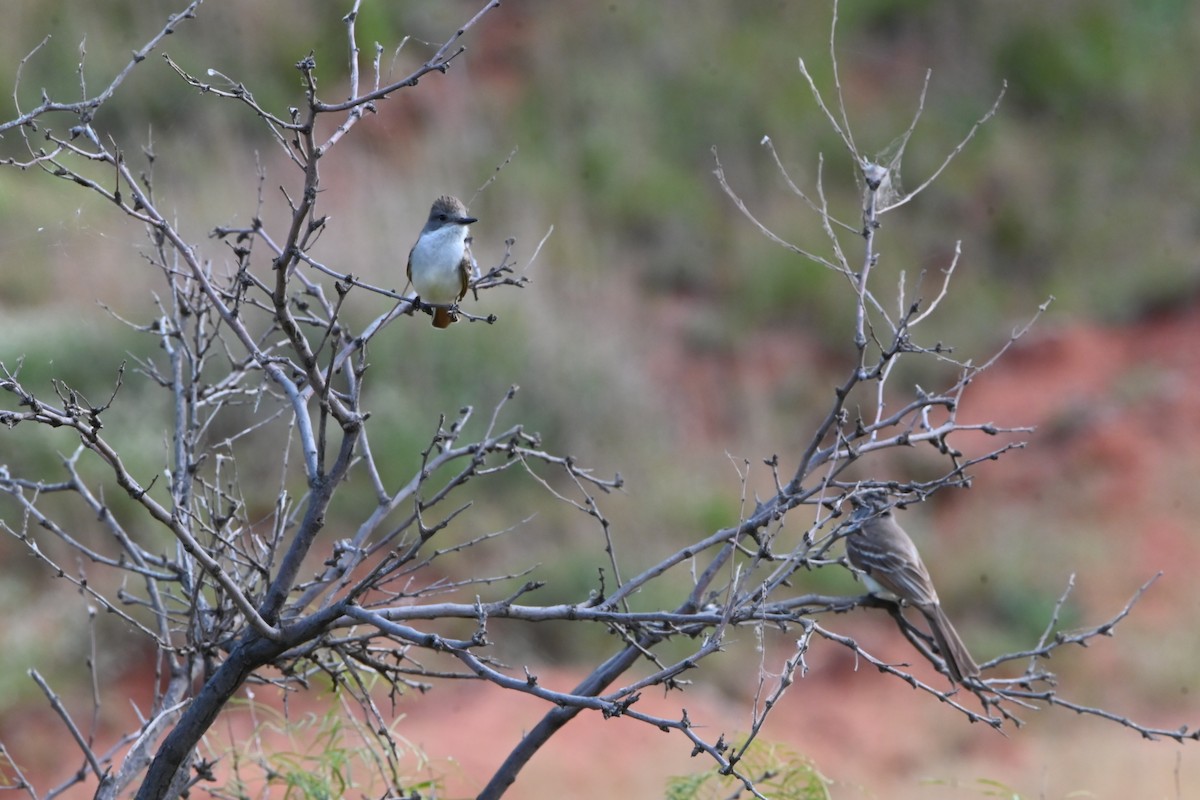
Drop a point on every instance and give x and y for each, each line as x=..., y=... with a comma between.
x=442, y=217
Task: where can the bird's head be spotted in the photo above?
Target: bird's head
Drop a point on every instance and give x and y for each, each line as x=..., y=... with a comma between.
x=869, y=503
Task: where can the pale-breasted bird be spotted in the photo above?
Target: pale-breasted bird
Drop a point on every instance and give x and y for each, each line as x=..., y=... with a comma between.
x=440, y=264
x=893, y=570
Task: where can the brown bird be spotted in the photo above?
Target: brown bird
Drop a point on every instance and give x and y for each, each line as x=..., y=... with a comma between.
x=440, y=263
x=893, y=570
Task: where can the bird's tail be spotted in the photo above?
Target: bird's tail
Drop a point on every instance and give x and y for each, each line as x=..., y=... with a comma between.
x=442, y=317
x=958, y=659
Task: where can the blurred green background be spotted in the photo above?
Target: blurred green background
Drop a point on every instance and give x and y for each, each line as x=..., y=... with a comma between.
x=661, y=330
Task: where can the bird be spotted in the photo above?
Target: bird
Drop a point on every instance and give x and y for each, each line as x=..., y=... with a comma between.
x=893, y=570
x=440, y=263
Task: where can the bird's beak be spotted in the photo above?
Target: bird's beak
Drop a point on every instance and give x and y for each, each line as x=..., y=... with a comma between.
x=466, y=220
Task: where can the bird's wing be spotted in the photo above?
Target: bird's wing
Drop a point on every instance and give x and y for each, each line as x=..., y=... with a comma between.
x=464, y=270
x=897, y=568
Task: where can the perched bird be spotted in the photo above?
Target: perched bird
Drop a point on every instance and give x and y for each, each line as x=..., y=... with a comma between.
x=440, y=264
x=893, y=570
